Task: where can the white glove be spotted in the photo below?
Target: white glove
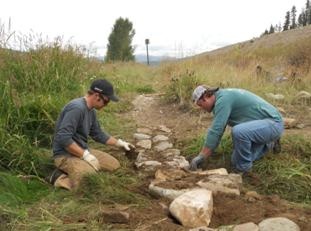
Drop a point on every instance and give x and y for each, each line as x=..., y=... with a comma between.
x=91, y=159
x=127, y=146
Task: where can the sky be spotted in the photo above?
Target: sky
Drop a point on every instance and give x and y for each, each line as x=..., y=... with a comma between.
x=177, y=28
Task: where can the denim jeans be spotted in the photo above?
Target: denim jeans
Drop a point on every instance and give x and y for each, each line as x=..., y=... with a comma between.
x=251, y=140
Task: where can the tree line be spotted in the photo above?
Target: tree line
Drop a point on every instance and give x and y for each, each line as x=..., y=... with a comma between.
x=292, y=21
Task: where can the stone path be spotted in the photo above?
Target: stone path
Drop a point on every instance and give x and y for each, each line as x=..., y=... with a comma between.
x=191, y=192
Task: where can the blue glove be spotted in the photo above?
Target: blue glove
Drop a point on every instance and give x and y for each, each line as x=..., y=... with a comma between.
x=197, y=162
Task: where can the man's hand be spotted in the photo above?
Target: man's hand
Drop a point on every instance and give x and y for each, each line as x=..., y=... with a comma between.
x=127, y=146
x=91, y=159
x=197, y=162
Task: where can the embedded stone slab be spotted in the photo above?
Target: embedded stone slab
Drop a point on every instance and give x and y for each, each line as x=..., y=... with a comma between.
x=141, y=136
x=159, y=138
x=222, y=183
x=178, y=162
x=145, y=144
x=194, y=208
x=148, y=165
x=278, y=224
x=163, y=146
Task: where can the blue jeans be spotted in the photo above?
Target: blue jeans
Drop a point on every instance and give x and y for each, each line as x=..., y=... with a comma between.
x=251, y=140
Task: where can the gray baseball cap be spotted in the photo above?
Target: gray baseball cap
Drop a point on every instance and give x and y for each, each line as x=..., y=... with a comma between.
x=200, y=90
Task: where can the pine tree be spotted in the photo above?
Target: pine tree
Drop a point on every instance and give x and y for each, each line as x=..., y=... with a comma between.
x=308, y=13
x=302, y=19
x=293, y=21
x=271, y=30
x=287, y=21
x=120, y=39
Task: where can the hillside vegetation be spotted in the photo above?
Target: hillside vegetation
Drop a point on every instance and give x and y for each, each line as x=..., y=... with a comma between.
x=36, y=84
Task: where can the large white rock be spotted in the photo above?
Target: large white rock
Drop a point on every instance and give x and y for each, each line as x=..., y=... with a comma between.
x=278, y=224
x=194, y=208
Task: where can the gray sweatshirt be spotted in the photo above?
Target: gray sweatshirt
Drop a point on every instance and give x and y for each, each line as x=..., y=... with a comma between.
x=75, y=123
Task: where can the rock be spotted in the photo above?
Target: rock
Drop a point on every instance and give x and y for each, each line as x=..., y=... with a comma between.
x=221, y=183
x=166, y=193
x=147, y=131
x=218, y=171
x=141, y=136
x=159, y=138
x=163, y=146
x=178, y=162
x=278, y=224
x=194, y=208
x=114, y=216
x=203, y=228
x=149, y=164
x=250, y=226
x=171, y=152
x=252, y=196
x=163, y=128
x=146, y=144
x=290, y=123
x=169, y=174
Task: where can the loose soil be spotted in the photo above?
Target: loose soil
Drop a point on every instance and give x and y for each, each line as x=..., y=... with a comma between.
x=228, y=210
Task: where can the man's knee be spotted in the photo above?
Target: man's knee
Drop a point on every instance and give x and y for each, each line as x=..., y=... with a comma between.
x=106, y=161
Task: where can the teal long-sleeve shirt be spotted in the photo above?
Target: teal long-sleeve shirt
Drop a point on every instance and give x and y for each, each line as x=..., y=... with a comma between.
x=235, y=106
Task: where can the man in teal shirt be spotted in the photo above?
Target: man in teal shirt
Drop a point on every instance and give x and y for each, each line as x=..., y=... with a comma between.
x=256, y=125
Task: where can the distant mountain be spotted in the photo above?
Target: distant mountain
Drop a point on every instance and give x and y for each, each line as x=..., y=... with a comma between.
x=142, y=58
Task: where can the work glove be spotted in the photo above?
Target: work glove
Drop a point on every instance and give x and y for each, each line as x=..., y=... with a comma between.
x=197, y=162
x=91, y=159
x=123, y=144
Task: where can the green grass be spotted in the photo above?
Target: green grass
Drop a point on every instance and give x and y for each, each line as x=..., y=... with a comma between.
x=111, y=188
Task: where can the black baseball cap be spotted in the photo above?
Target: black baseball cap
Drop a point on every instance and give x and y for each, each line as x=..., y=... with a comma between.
x=104, y=87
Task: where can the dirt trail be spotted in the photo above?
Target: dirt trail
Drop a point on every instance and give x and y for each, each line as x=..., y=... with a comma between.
x=228, y=210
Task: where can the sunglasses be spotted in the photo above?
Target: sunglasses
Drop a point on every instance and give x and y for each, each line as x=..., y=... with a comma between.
x=104, y=98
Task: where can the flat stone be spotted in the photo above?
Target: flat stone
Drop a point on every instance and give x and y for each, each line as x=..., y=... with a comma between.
x=146, y=144
x=278, y=224
x=141, y=136
x=159, y=138
x=163, y=146
x=178, y=162
x=171, y=152
x=250, y=226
